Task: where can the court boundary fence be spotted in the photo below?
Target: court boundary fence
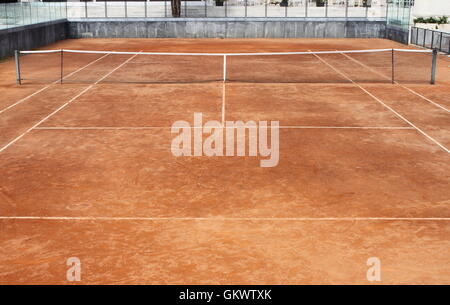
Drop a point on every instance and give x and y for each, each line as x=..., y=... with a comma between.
x=431, y=39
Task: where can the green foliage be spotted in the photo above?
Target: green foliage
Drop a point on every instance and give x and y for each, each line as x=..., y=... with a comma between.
x=437, y=20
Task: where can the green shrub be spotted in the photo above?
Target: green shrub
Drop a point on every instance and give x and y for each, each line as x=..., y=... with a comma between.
x=438, y=20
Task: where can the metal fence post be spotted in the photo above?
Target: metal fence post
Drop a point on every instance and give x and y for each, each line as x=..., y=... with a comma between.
x=14, y=13
x=18, y=78
x=440, y=42
x=424, y=37
x=6, y=14
x=165, y=8
x=126, y=9
x=326, y=8
x=226, y=8
x=306, y=8
x=62, y=67
x=85, y=9
x=387, y=12
x=286, y=10
x=106, y=9
x=31, y=12
x=146, y=9
x=245, y=4
x=346, y=9
x=417, y=36
x=265, y=9
x=393, y=66
x=23, y=13
x=432, y=39
x=206, y=9
x=433, y=67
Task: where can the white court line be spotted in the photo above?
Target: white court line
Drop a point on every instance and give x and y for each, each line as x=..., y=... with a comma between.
x=382, y=103
x=193, y=127
x=48, y=86
x=397, y=83
x=63, y=106
x=223, y=103
x=225, y=218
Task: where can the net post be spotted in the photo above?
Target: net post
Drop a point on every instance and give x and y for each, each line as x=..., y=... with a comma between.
x=393, y=66
x=18, y=78
x=62, y=67
x=224, y=68
x=433, y=67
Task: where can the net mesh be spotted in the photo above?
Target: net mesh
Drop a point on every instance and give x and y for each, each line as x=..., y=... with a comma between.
x=362, y=66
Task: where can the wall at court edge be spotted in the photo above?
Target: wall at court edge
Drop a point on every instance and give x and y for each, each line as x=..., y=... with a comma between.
x=32, y=36
x=236, y=28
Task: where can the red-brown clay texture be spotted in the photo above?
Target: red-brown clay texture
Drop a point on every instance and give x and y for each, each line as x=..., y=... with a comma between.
x=361, y=174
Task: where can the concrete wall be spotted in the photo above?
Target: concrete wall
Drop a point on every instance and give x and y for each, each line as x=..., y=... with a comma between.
x=37, y=35
x=397, y=34
x=31, y=36
x=227, y=28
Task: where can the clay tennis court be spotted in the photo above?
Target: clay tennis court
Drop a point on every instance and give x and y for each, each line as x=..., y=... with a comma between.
x=86, y=168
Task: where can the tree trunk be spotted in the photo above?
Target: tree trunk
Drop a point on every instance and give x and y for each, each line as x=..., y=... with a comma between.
x=176, y=8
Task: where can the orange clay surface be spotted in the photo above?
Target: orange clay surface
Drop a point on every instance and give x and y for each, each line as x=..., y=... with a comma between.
x=364, y=170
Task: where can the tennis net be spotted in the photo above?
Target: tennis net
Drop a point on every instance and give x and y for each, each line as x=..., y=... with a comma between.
x=364, y=66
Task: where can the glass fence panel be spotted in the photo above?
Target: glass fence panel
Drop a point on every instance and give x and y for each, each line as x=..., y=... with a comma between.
x=16, y=14
x=216, y=8
x=159, y=9
x=337, y=8
x=116, y=9
x=96, y=9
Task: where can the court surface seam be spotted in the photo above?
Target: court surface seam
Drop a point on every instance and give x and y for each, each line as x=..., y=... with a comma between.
x=67, y=103
x=48, y=86
x=381, y=102
x=397, y=83
x=100, y=218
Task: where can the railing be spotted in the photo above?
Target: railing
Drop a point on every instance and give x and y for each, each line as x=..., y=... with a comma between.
x=23, y=13
x=431, y=39
x=230, y=8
